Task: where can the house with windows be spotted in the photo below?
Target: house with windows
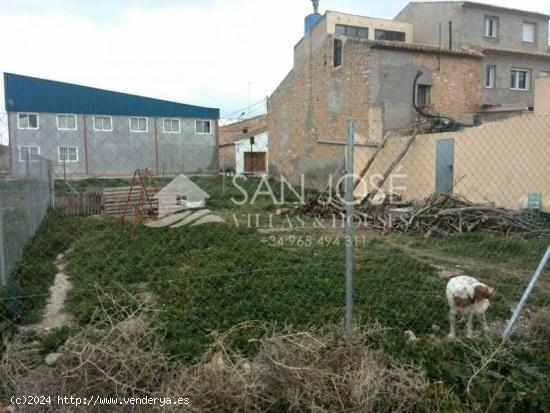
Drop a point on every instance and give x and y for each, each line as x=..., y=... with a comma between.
x=371, y=70
x=457, y=61
x=87, y=131
x=514, y=45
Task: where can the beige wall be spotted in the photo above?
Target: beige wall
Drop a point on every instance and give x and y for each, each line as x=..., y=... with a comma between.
x=228, y=157
x=327, y=25
x=500, y=162
x=334, y=18
x=542, y=96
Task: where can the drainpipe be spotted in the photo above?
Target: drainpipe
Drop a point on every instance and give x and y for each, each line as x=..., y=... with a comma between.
x=85, y=144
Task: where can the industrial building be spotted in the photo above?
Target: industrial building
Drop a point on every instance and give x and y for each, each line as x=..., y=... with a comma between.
x=87, y=131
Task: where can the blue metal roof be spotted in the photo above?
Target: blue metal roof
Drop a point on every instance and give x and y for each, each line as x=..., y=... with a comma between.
x=31, y=94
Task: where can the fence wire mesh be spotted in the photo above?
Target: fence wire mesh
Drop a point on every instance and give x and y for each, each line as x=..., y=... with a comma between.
x=181, y=258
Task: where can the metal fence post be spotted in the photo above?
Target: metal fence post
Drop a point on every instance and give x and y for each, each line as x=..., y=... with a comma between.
x=349, y=227
x=526, y=294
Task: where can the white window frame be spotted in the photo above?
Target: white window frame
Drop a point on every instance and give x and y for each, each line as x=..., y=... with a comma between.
x=171, y=120
x=490, y=82
x=67, y=114
x=103, y=130
x=21, y=159
x=203, y=120
x=67, y=161
x=137, y=130
x=28, y=114
x=527, y=80
x=534, y=26
x=486, y=31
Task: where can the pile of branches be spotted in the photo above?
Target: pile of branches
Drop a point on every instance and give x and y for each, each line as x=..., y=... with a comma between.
x=321, y=207
x=452, y=214
x=439, y=214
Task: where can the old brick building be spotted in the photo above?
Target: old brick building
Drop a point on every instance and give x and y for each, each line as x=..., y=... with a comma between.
x=236, y=153
x=353, y=66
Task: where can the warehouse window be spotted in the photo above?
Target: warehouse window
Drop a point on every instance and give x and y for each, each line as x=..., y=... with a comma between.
x=27, y=120
x=520, y=79
x=66, y=122
x=389, y=35
x=103, y=123
x=32, y=151
x=352, y=31
x=203, y=127
x=138, y=124
x=423, y=98
x=337, y=58
x=491, y=26
x=67, y=153
x=490, y=76
x=171, y=125
x=528, y=33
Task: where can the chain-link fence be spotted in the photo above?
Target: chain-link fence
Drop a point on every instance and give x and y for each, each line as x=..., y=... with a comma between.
x=153, y=274
x=24, y=200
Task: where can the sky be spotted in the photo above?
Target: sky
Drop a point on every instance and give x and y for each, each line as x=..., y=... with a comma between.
x=215, y=53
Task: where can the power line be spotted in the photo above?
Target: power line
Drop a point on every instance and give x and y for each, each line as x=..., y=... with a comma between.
x=245, y=109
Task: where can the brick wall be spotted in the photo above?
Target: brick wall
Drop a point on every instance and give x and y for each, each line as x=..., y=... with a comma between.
x=235, y=132
x=457, y=86
x=308, y=113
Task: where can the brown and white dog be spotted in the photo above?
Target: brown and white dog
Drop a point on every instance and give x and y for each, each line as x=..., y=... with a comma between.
x=469, y=297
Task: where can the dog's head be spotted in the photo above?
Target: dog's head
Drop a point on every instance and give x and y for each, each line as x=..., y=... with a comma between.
x=482, y=291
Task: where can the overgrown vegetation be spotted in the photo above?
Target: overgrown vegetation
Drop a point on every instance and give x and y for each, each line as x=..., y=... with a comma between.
x=515, y=251
x=27, y=290
x=222, y=191
x=157, y=315
x=120, y=353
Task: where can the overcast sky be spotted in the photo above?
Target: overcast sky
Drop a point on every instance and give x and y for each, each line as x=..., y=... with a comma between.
x=203, y=52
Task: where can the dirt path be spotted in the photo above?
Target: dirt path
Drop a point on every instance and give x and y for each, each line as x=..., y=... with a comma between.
x=54, y=314
x=450, y=266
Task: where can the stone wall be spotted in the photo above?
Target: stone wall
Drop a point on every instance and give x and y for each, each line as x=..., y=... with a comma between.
x=308, y=112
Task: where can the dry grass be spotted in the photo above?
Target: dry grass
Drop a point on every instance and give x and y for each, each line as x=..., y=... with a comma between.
x=540, y=325
x=119, y=354
x=302, y=371
x=19, y=359
x=320, y=371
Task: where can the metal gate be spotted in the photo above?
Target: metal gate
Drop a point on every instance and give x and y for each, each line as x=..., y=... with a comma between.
x=444, y=168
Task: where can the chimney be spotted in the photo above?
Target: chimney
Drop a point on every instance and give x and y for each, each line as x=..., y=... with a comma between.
x=315, y=6
x=313, y=18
